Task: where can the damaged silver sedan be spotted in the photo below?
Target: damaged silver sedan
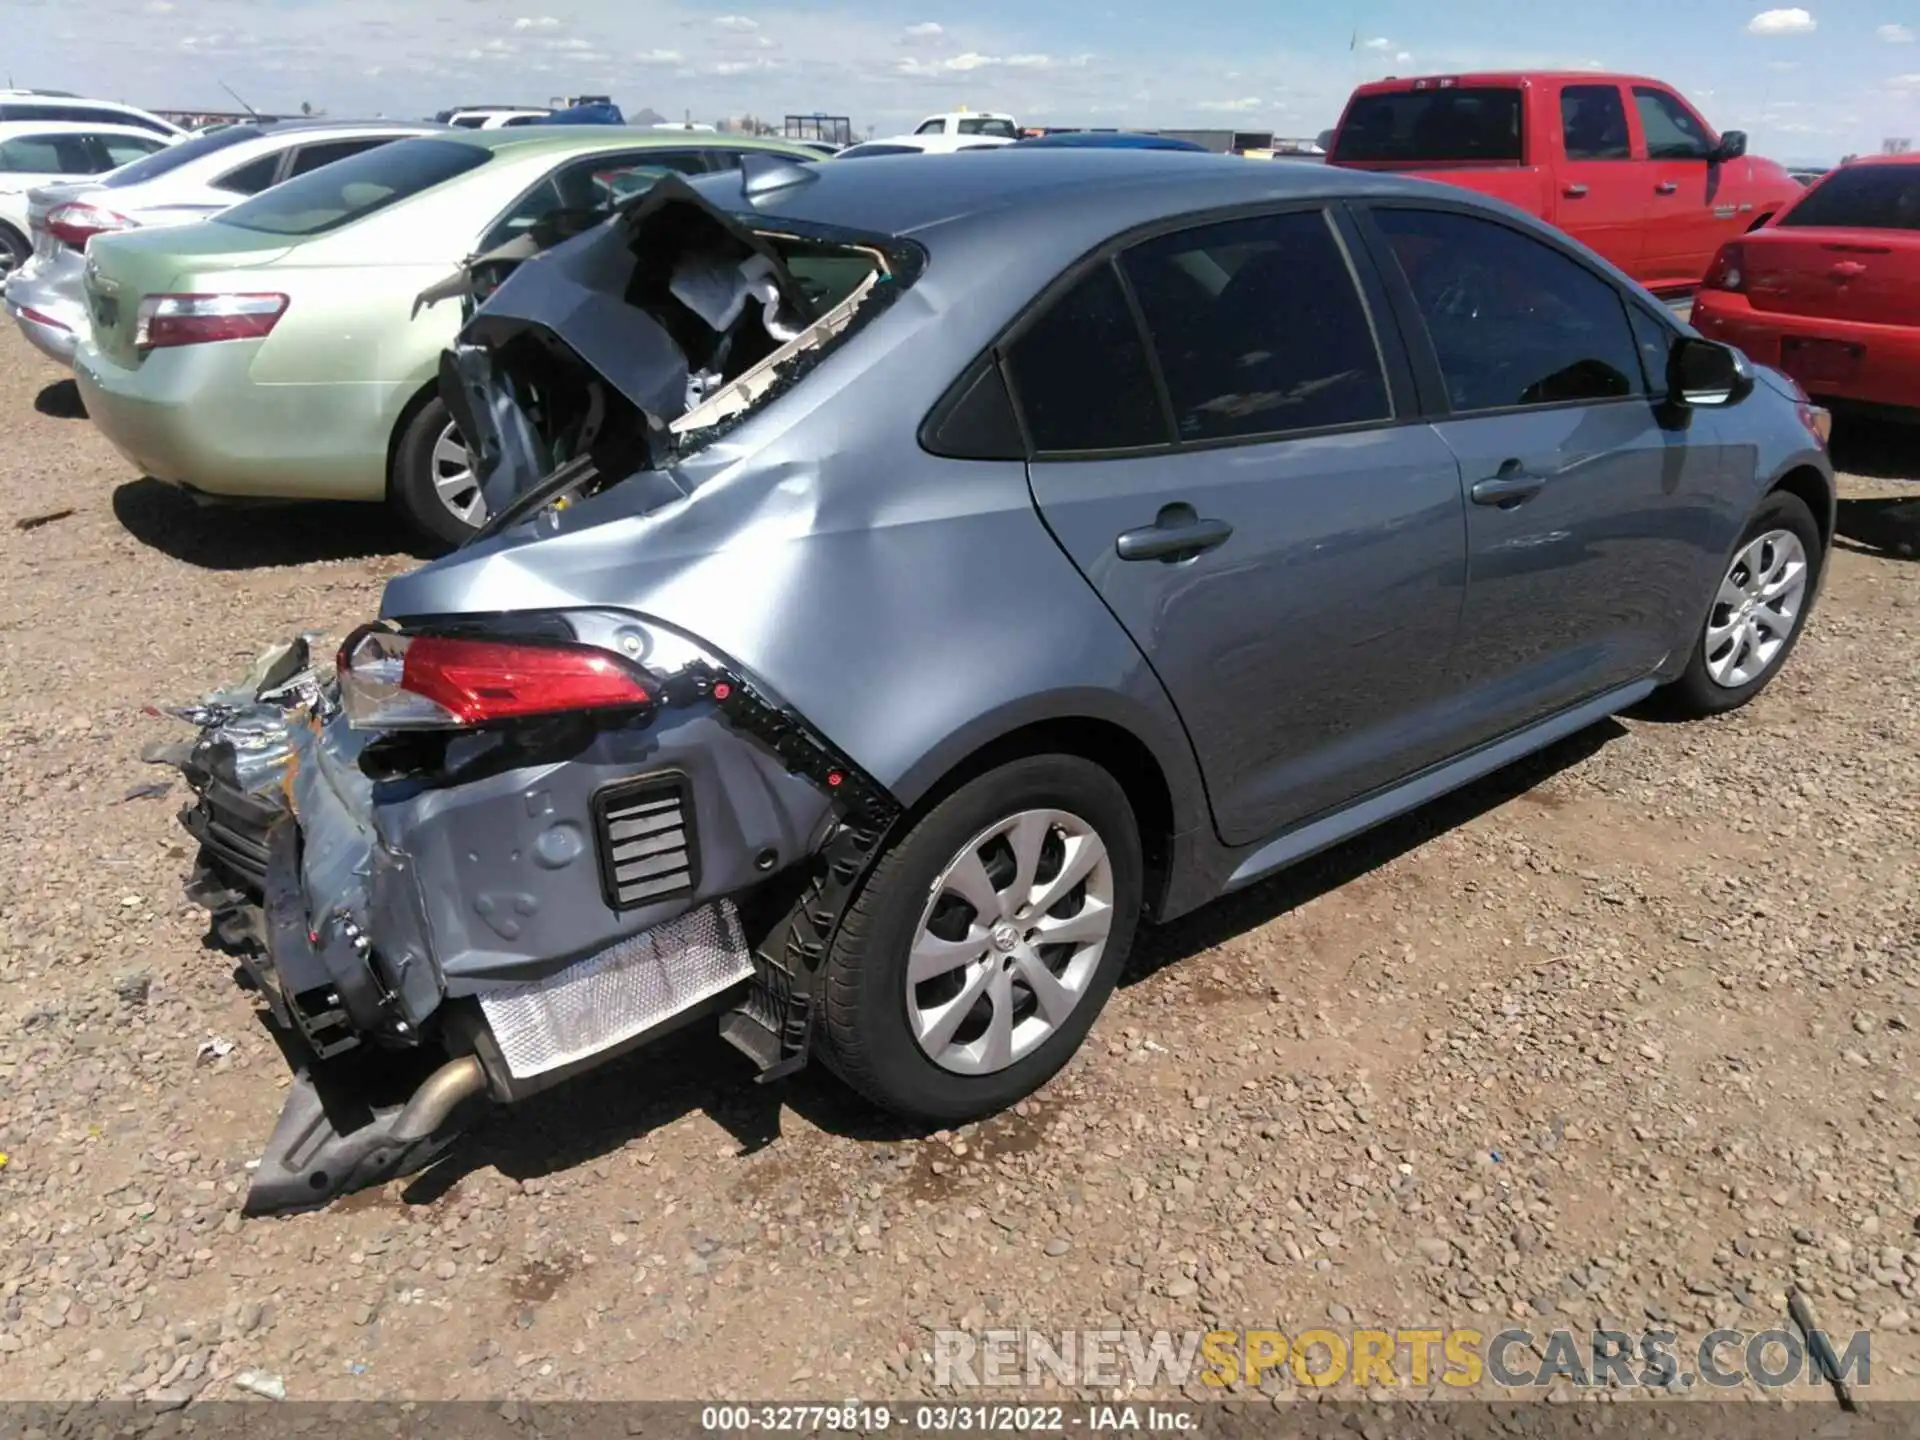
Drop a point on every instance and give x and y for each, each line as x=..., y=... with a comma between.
x=903, y=578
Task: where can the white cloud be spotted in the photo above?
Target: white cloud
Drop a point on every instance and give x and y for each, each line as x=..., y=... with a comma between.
x=1404, y=57
x=1235, y=107
x=744, y=67
x=1783, y=65
x=1031, y=62
x=738, y=24
x=1379, y=42
x=165, y=7
x=1794, y=21
x=659, y=57
x=1896, y=34
x=536, y=22
x=926, y=30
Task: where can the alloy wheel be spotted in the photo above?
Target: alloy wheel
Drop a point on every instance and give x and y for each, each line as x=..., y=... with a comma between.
x=1009, y=941
x=1754, y=614
x=453, y=478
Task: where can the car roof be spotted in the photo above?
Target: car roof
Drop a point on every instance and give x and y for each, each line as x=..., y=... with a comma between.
x=1109, y=139
x=909, y=194
x=1396, y=84
x=1909, y=158
x=342, y=127
x=10, y=128
x=532, y=139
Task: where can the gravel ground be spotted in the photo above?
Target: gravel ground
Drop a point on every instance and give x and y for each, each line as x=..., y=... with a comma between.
x=1624, y=1035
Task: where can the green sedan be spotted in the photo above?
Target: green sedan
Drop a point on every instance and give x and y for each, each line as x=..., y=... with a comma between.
x=274, y=352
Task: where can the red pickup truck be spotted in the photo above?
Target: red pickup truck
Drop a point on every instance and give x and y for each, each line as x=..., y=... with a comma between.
x=1620, y=162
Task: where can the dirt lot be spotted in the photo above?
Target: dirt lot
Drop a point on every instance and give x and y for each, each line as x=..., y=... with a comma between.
x=1623, y=1036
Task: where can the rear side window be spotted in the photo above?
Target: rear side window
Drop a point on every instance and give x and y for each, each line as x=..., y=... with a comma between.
x=1593, y=123
x=355, y=188
x=1862, y=197
x=1414, y=126
x=980, y=126
x=1671, y=129
x=49, y=155
x=170, y=158
x=1080, y=373
x=252, y=177
x=1513, y=321
x=311, y=157
x=1258, y=327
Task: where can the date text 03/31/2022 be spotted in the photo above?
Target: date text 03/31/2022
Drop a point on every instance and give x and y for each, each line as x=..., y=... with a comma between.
x=936, y=1419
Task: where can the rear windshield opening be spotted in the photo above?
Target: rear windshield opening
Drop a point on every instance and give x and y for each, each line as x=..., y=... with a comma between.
x=354, y=188
x=1862, y=197
x=1432, y=126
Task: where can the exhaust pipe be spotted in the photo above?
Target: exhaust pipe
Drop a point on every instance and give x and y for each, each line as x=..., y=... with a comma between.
x=310, y=1160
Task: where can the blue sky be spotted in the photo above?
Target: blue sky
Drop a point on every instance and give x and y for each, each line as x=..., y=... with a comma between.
x=1805, y=83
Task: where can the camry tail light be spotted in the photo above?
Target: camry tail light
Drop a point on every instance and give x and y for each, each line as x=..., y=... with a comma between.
x=1727, y=271
x=166, y=320
x=438, y=682
x=77, y=223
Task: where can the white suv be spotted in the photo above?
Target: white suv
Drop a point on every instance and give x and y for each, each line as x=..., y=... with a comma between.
x=60, y=105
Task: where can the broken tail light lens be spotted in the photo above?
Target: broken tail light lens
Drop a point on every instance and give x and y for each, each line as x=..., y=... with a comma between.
x=75, y=224
x=436, y=682
x=169, y=320
x=1726, y=272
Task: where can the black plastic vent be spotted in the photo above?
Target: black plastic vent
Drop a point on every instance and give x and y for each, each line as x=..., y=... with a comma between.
x=644, y=829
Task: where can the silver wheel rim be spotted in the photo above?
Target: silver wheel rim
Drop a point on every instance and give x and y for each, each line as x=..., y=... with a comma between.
x=1756, y=610
x=1009, y=941
x=453, y=478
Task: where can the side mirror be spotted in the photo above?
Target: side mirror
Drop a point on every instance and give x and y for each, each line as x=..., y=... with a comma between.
x=1702, y=373
x=1732, y=146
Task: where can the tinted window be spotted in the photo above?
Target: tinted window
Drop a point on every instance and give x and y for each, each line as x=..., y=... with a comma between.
x=593, y=185
x=1672, y=132
x=981, y=126
x=931, y=127
x=1655, y=339
x=251, y=178
x=1863, y=197
x=1420, y=125
x=171, y=157
x=1258, y=327
x=1593, y=122
x=48, y=155
x=521, y=120
x=123, y=150
x=863, y=152
x=471, y=122
x=311, y=157
x=1513, y=321
x=355, y=188
x=1080, y=373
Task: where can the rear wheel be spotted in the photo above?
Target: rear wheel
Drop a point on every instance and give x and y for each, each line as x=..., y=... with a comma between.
x=1757, y=612
x=433, y=483
x=14, y=250
x=984, y=943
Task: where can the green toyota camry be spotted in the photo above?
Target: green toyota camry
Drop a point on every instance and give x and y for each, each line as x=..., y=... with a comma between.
x=275, y=351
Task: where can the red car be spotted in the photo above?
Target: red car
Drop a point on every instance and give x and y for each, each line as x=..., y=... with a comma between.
x=1830, y=291
x=1620, y=162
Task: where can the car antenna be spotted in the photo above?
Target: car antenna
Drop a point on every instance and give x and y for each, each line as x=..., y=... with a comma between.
x=765, y=174
x=251, y=112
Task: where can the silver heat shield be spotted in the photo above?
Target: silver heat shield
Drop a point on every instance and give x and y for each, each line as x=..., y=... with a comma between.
x=627, y=988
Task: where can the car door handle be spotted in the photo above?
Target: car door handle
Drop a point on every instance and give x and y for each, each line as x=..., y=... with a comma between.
x=1847, y=269
x=1512, y=486
x=1665, y=187
x=1177, y=533
x=1574, y=192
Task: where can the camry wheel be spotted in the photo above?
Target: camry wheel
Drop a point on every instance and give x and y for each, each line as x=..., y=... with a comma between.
x=433, y=483
x=1757, y=611
x=981, y=948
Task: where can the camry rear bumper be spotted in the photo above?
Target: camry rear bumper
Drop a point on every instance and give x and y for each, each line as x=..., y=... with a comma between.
x=488, y=924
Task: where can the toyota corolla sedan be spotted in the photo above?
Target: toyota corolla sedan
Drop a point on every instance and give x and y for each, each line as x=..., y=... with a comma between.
x=275, y=351
x=904, y=580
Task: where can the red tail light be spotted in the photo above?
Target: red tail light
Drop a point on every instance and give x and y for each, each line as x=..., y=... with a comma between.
x=166, y=320
x=77, y=223
x=434, y=682
x=1728, y=271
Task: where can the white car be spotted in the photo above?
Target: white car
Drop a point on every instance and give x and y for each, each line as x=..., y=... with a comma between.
x=192, y=180
x=41, y=152
x=60, y=105
x=493, y=117
x=969, y=122
x=921, y=145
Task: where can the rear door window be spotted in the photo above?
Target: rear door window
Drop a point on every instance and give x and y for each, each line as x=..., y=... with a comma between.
x=1453, y=124
x=1862, y=197
x=1593, y=123
x=118, y=150
x=252, y=177
x=1081, y=375
x=1513, y=321
x=355, y=188
x=1259, y=328
x=49, y=155
x=311, y=157
x=1672, y=130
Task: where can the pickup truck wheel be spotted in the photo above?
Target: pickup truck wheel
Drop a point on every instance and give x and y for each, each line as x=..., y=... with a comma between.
x=433, y=484
x=984, y=943
x=1757, y=613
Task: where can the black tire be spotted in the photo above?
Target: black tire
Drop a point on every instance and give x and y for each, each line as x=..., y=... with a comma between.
x=868, y=1039
x=14, y=250
x=1696, y=693
x=411, y=487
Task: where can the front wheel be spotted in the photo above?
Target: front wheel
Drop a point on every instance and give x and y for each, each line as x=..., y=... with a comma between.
x=433, y=484
x=985, y=941
x=1757, y=612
